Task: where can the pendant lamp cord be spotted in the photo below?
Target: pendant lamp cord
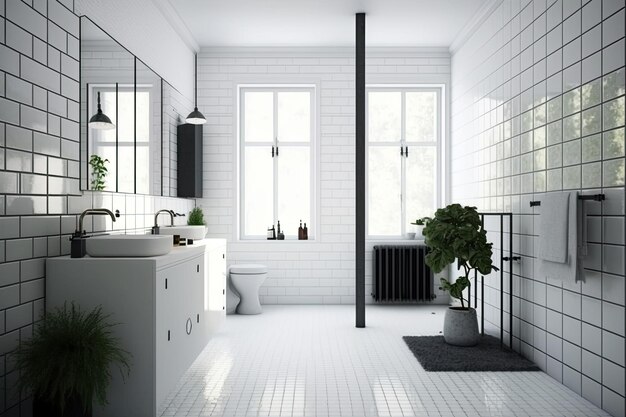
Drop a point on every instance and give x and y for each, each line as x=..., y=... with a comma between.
x=195, y=79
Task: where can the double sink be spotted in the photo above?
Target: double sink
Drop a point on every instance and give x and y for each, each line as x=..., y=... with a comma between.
x=157, y=244
x=140, y=245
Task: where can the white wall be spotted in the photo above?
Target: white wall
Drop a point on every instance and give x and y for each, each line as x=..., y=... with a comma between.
x=143, y=29
x=319, y=271
x=511, y=143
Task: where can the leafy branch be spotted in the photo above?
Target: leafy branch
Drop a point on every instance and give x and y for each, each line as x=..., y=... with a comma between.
x=99, y=172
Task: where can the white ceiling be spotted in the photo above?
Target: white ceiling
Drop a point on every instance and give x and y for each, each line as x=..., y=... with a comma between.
x=324, y=22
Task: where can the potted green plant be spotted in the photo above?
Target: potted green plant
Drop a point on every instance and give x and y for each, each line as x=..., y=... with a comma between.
x=456, y=233
x=99, y=172
x=196, y=217
x=196, y=223
x=419, y=226
x=66, y=364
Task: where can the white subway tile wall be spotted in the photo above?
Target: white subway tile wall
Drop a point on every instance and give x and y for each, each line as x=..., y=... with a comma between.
x=319, y=271
x=39, y=169
x=537, y=106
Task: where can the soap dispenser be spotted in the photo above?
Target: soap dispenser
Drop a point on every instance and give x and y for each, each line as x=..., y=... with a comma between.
x=300, y=232
x=305, y=233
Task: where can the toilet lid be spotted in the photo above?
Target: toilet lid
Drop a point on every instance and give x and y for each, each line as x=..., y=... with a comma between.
x=248, y=269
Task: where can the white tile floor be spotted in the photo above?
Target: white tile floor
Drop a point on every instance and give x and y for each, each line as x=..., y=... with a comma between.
x=312, y=361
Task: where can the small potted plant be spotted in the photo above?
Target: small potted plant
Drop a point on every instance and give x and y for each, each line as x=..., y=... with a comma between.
x=196, y=219
x=65, y=365
x=419, y=226
x=456, y=233
x=99, y=172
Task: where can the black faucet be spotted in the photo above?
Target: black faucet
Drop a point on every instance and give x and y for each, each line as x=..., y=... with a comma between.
x=78, y=243
x=155, y=228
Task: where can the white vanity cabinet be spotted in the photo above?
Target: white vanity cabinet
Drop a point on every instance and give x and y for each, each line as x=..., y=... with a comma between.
x=167, y=308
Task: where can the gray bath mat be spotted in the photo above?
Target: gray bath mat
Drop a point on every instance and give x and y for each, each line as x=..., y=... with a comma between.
x=435, y=355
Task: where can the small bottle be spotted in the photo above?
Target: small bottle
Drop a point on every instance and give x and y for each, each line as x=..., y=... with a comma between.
x=300, y=232
x=279, y=234
x=305, y=232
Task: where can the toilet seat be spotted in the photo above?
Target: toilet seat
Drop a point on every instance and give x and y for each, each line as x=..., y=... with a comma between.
x=248, y=269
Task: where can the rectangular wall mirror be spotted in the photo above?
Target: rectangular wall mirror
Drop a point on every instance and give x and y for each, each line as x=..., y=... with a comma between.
x=118, y=85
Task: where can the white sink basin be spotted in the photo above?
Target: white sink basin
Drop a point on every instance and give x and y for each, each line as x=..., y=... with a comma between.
x=111, y=246
x=188, y=232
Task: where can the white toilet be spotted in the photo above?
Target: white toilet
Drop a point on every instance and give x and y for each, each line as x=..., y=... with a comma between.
x=247, y=279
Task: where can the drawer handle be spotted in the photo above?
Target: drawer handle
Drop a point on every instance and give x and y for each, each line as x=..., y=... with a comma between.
x=166, y=283
x=198, y=268
x=198, y=318
x=188, y=326
x=168, y=335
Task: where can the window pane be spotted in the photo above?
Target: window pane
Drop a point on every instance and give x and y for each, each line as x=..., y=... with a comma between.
x=143, y=169
x=294, y=116
x=102, y=142
x=105, y=152
x=144, y=120
x=258, y=111
x=421, y=116
x=126, y=138
x=384, y=116
x=259, y=190
x=421, y=182
x=294, y=190
x=385, y=211
x=143, y=116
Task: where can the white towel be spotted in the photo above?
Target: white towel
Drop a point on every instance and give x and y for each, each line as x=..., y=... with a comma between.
x=553, y=224
x=571, y=271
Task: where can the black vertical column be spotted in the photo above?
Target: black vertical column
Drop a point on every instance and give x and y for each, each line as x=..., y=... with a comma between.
x=360, y=170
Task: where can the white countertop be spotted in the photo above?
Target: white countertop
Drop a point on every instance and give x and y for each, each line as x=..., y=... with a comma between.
x=177, y=254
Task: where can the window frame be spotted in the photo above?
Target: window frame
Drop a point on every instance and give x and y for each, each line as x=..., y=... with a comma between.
x=126, y=142
x=274, y=88
x=439, y=89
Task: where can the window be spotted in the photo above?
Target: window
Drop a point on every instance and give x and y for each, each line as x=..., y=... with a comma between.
x=118, y=145
x=277, y=134
x=404, y=136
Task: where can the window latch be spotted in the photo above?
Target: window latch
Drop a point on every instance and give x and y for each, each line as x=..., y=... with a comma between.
x=406, y=151
x=401, y=151
x=272, y=151
x=276, y=150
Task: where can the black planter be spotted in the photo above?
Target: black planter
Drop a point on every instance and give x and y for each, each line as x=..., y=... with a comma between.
x=73, y=408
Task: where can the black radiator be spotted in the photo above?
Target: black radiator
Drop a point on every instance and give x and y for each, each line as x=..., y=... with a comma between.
x=401, y=274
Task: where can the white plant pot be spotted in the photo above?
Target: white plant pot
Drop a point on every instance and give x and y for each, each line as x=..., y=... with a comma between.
x=419, y=232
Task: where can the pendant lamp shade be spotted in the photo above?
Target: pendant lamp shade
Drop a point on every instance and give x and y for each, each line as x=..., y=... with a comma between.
x=100, y=121
x=195, y=117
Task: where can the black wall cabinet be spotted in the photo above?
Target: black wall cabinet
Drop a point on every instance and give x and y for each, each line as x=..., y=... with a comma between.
x=189, y=161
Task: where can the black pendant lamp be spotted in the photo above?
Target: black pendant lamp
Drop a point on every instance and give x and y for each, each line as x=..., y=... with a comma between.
x=100, y=121
x=195, y=117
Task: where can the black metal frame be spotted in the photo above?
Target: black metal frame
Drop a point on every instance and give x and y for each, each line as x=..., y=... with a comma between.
x=503, y=259
x=594, y=197
x=360, y=170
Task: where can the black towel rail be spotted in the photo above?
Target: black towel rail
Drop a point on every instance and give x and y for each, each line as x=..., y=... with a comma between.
x=594, y=197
